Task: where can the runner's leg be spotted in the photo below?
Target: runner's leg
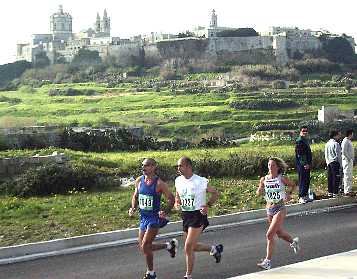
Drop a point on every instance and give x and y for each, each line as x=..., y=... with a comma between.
x=275, y=224
x=191, y=238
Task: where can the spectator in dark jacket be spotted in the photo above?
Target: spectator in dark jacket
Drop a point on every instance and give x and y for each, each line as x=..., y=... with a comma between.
x=303, y=158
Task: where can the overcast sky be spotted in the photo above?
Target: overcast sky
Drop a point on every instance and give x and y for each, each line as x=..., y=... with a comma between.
x=20, y=18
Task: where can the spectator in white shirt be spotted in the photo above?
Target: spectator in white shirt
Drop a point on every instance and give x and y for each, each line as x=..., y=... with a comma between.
x=333, y=161
x=347, y=163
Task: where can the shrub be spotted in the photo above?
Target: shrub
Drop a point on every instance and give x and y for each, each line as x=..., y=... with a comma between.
x=264, y=104
x=56, y=179
x=11, y=101
x=314, y=65
x=71, y=92
x=279, y=84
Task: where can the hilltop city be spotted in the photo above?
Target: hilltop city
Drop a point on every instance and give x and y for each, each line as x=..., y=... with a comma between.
x=277, y=44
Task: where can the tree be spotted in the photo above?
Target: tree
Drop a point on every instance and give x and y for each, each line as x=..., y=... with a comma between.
x=11, y=71
x=186, y=34
x=86, y=57
x=338, y=50
x=240, y=32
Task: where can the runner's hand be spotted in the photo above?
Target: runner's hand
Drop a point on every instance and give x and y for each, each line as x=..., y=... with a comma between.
x=204, y=210
x=131, y=211
x=162, y=214
x=177, y=206
x=287, y=198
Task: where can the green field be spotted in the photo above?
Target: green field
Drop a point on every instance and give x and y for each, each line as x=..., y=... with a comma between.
x=166, y=114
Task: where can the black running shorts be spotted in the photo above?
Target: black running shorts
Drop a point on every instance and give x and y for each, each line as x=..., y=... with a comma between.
x=194, y=219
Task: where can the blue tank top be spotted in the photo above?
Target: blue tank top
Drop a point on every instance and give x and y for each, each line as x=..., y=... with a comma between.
x=149, y=199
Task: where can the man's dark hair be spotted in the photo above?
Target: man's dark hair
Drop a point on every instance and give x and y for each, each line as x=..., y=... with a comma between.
x=187, y=160
x=349, y=132
x=303, y=127
x=333, y=133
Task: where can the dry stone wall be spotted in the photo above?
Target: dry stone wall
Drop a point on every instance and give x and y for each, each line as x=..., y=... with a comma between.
x=17, y=165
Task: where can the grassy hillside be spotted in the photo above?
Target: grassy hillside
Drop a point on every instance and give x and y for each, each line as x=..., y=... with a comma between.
x=166, y=113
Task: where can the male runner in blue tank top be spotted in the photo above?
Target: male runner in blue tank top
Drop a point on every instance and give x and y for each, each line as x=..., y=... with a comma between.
x=147, y=195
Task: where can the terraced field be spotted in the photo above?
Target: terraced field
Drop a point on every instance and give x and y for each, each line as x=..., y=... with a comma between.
x=166, y=113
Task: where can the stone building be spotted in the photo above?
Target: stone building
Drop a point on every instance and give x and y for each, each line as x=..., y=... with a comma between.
x=61, y=25
x=275, y=46
x=332, y=113
x=62, y=42
x=212, y=30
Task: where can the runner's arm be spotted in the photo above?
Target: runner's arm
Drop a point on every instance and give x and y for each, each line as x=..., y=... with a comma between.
x=260, y=189
x=214, y=195
x=288, y=183
x=163, y=188
x=177, y=201
x=134, y=198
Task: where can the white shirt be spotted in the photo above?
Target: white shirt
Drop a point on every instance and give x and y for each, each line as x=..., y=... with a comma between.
x=333, y=152
x=192, y=192
x=347, y=149
x=274, y=189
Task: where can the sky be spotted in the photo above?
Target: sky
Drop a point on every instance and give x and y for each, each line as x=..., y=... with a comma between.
x=19, y=19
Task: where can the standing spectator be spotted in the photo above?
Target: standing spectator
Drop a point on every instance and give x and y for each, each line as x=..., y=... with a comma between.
x=347, y=162
x=333, y=161
x=303, y=158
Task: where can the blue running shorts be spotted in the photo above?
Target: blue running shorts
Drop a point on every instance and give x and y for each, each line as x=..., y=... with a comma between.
x=147, y=222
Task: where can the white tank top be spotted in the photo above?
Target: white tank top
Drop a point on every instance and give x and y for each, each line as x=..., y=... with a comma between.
x=274, y=189
x=192, y=192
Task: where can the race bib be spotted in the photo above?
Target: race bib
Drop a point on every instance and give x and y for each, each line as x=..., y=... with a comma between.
x=188, y=202
x=273, y=196
x=146, y=202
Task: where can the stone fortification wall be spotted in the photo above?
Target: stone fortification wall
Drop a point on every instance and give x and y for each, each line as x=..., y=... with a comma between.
x=235, y=44
x=218, y=50
x=17, y=165
x=302, y=44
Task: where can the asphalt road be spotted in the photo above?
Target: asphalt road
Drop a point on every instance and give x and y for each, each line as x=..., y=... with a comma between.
x=320, y=234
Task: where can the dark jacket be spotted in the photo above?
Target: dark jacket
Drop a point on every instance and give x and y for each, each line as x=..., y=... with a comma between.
x=303, y=154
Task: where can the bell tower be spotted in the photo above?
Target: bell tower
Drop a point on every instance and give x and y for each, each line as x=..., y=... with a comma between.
x=213, y=23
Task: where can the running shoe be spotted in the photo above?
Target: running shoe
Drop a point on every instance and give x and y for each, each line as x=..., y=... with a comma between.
x=295, y=245
x=173, y=249
x=265, y=264
x=148, y=276
x=218, y=253
x=302, y=200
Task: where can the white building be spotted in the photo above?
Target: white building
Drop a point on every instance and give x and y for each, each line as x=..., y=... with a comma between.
x=212, y=30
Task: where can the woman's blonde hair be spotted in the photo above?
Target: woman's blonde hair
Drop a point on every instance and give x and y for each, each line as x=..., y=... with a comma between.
x=282, y=166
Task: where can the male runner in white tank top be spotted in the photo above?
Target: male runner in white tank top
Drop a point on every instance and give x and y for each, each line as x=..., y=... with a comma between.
x=191, y=192
x=273, y=185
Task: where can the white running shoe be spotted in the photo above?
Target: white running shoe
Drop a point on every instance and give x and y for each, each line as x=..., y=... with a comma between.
x=302, y=200
x=295, y=245
x=265, y=264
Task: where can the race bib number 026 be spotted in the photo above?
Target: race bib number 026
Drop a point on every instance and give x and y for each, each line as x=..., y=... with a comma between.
x=188, y=203
x=146, y=202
